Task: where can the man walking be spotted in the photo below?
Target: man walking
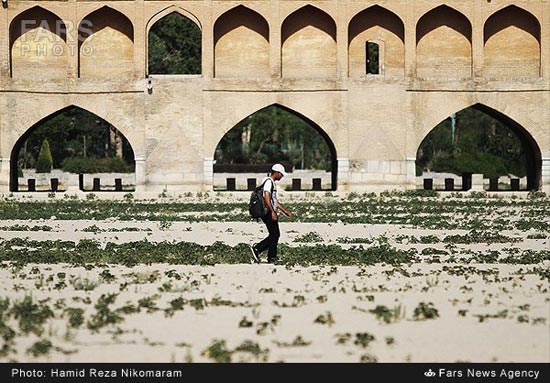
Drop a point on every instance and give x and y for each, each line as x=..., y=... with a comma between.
x=271, y=219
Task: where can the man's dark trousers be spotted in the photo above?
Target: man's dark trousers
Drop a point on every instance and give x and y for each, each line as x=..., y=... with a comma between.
x=271, y=241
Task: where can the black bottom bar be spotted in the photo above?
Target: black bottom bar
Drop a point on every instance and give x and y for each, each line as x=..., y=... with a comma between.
x=178, y=372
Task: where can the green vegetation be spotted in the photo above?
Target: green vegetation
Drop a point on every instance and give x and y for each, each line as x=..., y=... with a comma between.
x=96, y=165
x=80, y=136
x=218, y=352
x=401, y=209
x=41, y=347
x=387, y=315
x=425, y=311
x=44, y=161
x=175, y=46
x=187, y=253
x=31, y=315
x=274, y=134
x=325, y=319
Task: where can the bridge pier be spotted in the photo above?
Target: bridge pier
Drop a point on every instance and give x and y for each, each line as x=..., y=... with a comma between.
x=380, y=175
x=343, y=174
x=208, y=174
x=4, y=174
x=140, y=173
x=546, y=175
x=411, y=173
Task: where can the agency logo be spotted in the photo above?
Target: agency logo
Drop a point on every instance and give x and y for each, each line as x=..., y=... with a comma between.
x=429, y=373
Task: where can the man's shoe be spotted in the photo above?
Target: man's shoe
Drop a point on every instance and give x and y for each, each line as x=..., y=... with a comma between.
x=255, y=254
x=273, y=260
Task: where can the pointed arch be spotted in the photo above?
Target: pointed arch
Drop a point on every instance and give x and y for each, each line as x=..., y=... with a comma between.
x=105, y=44
x=528, y=142
x=38, y=45
x=512, y=47
x=169, y=10
x=308, y=38
x=18, y=144
x=277, y=107
x=444, y=44
x=377, y=25
x=241, y=44
x=169, y=55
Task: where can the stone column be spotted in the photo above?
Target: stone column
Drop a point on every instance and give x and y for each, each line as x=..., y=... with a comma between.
x=140, y=41
x=4, y=46
x=411, y=173
x=546, y=175
x=343, y=173
x=72, y=43
x=73, y=183
x=141, y=176
x=544, y=41
x=410, y=44
x=477, y=183
x=4, y=175
x=208, y=173
x=274, y=41
x=208, y=42
x=342, y=41
x=477, y=42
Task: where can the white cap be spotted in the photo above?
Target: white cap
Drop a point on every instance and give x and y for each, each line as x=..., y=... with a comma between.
x=279, y=168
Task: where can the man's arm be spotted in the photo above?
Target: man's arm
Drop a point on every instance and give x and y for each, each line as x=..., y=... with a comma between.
x=267, y=198
x=284, y=210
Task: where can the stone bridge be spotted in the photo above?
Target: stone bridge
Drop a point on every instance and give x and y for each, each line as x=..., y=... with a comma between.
x=436, y=58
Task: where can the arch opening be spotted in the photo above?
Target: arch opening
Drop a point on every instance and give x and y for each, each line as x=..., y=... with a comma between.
x=480, y=140
x=381, y=26
x=241, y=44
x=277, y=134
x=308, y=44
x=38, y=45
x=511, y=39
x=444, y=44
x=105, y=44
x=79, y=142
x=372, y=52
x=175, y=46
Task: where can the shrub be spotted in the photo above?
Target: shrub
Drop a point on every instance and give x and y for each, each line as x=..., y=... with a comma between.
x=96, y=165
x=45, y=161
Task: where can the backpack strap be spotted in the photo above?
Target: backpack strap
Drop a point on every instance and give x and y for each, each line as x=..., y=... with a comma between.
x=263, y=184
x=272, y=184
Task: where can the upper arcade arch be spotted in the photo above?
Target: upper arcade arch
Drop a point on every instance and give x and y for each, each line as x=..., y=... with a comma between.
x=106, y=44
x=308, y=38
x=511, y=38
x=174, y=43
x=38, y=44
x=169, y=10
x=241, y=44
x=383, y=27
x=444, y=44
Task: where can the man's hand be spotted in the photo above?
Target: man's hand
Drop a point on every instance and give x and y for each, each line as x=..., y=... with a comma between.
x=274, y=215
x=287, y=213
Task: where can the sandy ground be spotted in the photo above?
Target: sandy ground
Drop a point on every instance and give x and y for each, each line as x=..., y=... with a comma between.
x=502, y=317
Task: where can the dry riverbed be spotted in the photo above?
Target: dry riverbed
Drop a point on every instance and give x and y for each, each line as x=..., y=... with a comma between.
x=441, y=295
